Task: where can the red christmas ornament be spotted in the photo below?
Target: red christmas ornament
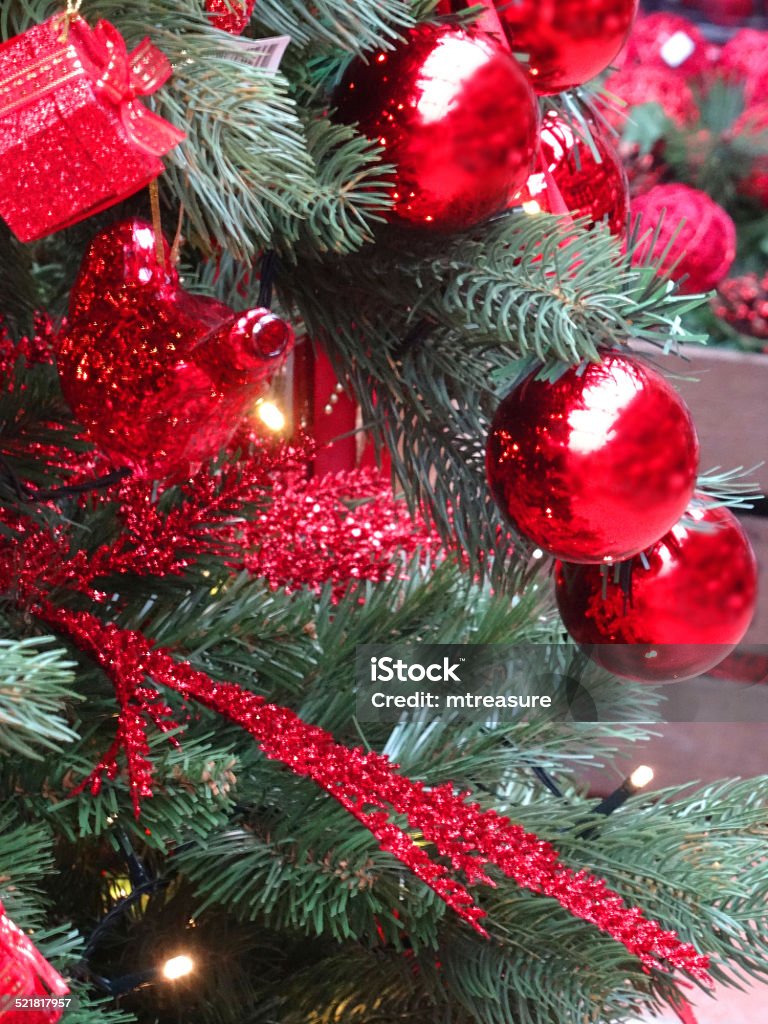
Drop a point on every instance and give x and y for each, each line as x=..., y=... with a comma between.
x=637, y=84
x=455, y=115
x=567, y=41
x=743, y=61
x=231, y=16
x=25, y=975
x=669, y=42
x=74, y=138
x=675, y=618
x=596, y=466
x=571, y=175
x=159, y=377
x=698, y=236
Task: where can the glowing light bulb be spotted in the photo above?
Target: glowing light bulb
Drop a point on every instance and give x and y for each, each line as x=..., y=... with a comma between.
x=178, y=967
x=641, y=776
x=271, y=416
x=119, y=888
x=531, y=207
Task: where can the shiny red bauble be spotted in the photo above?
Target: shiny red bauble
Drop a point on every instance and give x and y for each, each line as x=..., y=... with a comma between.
x=567, y=41
x=669, y=42
x=674, y=615
x=571, y=175
x=597, y=465
x=454, y=113
x=159, y=377
x=695, y=238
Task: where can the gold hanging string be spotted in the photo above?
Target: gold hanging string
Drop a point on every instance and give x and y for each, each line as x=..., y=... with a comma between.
x=175, y=248
x=72, y=12
x=154, y=202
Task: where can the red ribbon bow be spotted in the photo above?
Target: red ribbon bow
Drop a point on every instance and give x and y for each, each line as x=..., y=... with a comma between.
x=122, y=77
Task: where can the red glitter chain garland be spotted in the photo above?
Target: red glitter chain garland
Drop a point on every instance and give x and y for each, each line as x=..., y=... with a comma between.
x=366, y=784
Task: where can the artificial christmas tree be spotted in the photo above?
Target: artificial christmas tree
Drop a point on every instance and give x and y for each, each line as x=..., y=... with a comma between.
x=199, y=818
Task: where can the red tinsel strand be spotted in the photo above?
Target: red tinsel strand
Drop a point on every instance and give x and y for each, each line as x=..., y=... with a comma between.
x=334, y=529
x=35, y=349
x=365, y=783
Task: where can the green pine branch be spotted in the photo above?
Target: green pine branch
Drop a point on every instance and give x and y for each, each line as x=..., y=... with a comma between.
x=36, y=682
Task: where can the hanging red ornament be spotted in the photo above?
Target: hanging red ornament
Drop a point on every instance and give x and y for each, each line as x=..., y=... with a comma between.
x=567, y=42
x=636, y=84
x=588, y=187
x=695, y=236
x=669, y=42
x=743, y=62
x=597, y=465
x=160, y=378
x=74, y=137
x=31, y=991
x=231, y=16
x=454, y=113
x=676, y=616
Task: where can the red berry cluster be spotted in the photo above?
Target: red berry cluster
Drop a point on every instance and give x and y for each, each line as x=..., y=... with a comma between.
x=742, y=302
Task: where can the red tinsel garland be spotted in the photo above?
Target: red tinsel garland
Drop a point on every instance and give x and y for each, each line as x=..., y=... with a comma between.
x=365, y=784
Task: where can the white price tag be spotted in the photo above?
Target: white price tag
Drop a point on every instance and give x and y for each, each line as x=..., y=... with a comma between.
x=678, y=48
x=264, y=54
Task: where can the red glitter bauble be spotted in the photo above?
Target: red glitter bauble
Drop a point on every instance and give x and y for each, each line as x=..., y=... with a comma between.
x=159, y=377
x=454, y=113
x=597, y=465
x=567, y=41
x=231, y=16
x=743, y=61
x=697, y=235
x=669, y=42
x=675, y=618
x=637, y=85
x=588, y=187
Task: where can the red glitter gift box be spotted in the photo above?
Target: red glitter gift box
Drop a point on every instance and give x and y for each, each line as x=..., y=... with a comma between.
x=74, y=137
